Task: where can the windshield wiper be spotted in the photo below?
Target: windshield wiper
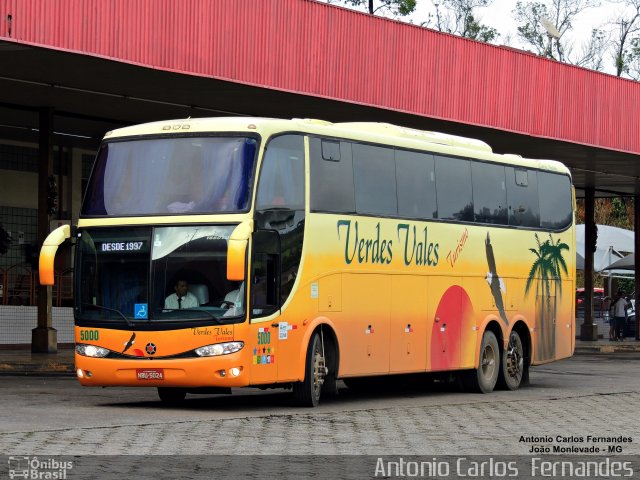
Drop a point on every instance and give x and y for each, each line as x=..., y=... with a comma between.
x=100, y=307
x=194, y=310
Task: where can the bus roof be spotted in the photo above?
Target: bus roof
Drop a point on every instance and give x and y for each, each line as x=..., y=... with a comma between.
x=369, y=132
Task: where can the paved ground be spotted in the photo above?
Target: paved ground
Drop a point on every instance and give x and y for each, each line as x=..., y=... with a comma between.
x=596, y=395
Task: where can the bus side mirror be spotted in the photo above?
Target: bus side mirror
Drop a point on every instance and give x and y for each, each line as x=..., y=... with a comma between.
x=48, y=253
x=237, y=251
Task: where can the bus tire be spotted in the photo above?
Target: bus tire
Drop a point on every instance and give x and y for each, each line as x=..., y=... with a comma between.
x=307, y=392
x=484, y=378
x=172, y=396
x=512, y=367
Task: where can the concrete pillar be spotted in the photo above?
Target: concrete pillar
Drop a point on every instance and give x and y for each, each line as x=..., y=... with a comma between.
x=44, y=338
x=636, y=257
x=589, y=330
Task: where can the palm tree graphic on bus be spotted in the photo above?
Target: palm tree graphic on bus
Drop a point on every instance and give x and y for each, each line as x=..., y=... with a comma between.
x=546, y=273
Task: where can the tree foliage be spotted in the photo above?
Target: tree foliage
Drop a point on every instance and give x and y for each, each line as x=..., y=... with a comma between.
x=562, y=14
x=458, y=17
x=392, y=8
x=616, y=212
x=633, y=63
x=625, y=39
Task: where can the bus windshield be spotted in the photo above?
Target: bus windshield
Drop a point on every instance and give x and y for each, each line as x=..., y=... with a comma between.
x=156, y=274
x=170, y=176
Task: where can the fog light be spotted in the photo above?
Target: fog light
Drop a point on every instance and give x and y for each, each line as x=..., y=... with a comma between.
x=235, y=371
x=79, y=373
x=222, y=373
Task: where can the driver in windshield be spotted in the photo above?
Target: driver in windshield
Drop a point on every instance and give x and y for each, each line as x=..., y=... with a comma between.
x=182, y=298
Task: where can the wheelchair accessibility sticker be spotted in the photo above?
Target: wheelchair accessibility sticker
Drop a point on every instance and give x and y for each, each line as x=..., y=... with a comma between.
x=140, y=311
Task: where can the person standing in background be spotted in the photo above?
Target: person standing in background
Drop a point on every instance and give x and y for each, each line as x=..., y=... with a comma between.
x=619, y=306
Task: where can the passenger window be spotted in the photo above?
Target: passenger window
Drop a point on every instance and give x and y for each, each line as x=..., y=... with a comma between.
x=331, y=176
x=556, y=204
x=374, y=175
x=416, y=181
x=522, y=197
x=489, y=193
x=453, y=186
x=281, y=181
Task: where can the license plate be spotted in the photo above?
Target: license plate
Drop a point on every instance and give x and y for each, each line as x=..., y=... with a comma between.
x=150, y=373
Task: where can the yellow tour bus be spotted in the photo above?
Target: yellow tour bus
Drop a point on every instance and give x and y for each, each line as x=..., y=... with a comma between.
x=231, y=252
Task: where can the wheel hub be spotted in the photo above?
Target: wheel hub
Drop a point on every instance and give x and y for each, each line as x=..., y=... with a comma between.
x=514, y=360
x=319, y=370
x=488, y=360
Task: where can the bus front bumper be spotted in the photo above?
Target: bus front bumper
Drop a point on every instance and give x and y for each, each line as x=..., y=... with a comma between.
x=219, y=371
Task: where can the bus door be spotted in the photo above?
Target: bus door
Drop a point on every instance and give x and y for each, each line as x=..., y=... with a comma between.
x=264, y=276
x=408, y=331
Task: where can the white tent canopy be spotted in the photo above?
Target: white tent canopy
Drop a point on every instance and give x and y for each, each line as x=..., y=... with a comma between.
x=612, y=244
x=625, y=263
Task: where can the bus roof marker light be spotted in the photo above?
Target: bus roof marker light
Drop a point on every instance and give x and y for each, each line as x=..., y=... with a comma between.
x=251, y=126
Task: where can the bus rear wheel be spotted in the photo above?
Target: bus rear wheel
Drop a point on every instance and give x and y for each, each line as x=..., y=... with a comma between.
x=484, y=378
x=512, y=367
x=307, y=392
x=172, y=396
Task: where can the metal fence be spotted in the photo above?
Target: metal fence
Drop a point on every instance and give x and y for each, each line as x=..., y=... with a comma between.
x=19, y=286
x=18, y=299
x=17, y=321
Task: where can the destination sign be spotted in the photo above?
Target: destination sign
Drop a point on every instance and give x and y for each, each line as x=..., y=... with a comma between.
x=123, y=247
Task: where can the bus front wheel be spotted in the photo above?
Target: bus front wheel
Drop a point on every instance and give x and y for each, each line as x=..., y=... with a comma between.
x=172, y=396
x=484, y=378
x=307, y=392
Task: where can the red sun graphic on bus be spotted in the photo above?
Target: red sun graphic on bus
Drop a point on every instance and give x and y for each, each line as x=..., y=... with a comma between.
x=454, y=313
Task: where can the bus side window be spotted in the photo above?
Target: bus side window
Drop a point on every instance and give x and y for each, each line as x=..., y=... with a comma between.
x=374, y=179
x=522, y=197
x=331, y=176
x=281, y=181
x=453, y=189
x=265, y=273
x=555, y=200
x=416, y=185
x=489, y=193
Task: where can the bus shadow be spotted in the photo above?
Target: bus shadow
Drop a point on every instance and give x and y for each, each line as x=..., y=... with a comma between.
x=361, y=391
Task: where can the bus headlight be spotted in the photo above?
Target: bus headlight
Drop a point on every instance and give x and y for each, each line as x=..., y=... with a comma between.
x=91, y=351
x=219, y=349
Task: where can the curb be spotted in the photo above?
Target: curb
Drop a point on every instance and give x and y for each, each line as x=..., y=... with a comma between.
x=613, y=348
x=45, y=368
x=23, y=362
